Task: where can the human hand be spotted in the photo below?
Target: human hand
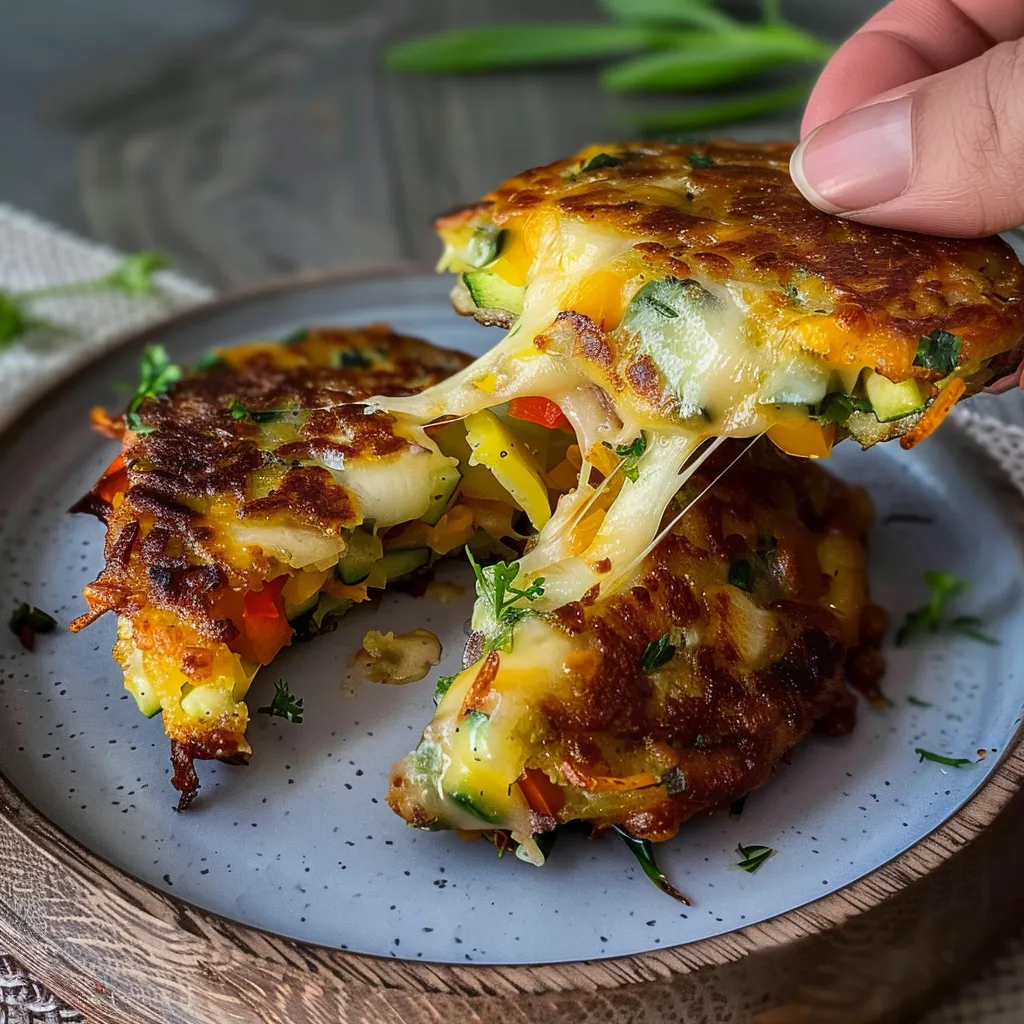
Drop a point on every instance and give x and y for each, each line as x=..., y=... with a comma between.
x=917, y=122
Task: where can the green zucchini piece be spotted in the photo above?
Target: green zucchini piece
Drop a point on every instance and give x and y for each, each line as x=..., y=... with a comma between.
x=148, y=702
x=442, y=489
x=362, y=554
x=893, y=401
x=489, y=291
x=296, y=611
x=401, y=563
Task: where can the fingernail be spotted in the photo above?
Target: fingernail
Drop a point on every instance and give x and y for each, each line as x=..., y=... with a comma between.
x=859, y=160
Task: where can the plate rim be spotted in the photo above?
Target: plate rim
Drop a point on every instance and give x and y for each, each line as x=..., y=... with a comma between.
x=184, y=936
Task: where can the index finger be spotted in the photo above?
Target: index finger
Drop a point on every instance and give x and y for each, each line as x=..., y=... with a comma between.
x=908, y=40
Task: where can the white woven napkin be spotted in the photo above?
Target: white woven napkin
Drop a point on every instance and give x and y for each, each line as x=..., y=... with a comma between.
x=34, y=254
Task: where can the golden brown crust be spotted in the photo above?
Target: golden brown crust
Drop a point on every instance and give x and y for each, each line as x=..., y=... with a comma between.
x=762, y=591
x=201, y=463
x=730, y=212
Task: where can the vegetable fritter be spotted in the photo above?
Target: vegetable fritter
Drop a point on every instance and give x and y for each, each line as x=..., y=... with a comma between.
x=253, y=503
x=678, y=691
x=698, y=289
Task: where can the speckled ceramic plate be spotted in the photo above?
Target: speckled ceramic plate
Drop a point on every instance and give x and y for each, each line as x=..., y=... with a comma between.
x=301, y=843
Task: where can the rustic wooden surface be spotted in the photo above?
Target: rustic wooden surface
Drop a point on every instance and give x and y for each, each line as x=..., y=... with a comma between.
x=254, y=137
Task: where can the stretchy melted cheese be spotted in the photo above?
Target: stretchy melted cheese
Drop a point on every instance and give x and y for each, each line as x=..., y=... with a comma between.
x=259, y=501
x=722, y=649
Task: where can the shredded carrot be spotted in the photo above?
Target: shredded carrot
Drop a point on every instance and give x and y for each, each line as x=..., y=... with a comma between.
x=541, y=793
x=934, y=414
x=606, y=783
x=103, y=423
x=481, y=685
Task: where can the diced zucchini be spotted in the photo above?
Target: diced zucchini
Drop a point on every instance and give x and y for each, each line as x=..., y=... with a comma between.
x=401, y=563
x=362, y=554
x=893, y=401
x=207, y=702
x=328, y=607
x=489, y=291
x=442, y=488
x=146, y=699
x=293, y=612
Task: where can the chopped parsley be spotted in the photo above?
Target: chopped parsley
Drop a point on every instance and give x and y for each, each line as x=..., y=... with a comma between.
x=644, y=853
x=741, y=574
x=939, y=351
x=495, y=584
x=932, y=617
x=240, y=411
x=953, y=762
x=284, y=705
x=918, y=703
x=838, y=408
x=599, y=160
x=630, y=455
x=209, y=361
x=657, y=653
x=300, y=334
x=698, y=160
x=444, y=684
x=157, y=374
x=27, y=621
x=753, y=857
x=358, y=357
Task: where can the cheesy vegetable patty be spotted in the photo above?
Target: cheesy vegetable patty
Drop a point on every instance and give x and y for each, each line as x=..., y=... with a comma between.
x=255, y=500
x=733, y=638
x=700, y=292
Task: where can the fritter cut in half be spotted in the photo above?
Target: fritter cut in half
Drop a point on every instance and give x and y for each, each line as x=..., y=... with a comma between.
x=692, y=288
x=733, y=638
x=254, y=501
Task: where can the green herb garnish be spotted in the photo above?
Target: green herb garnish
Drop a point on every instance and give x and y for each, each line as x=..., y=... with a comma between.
x=939, y=351
x=837, y=408
x=209, y=361
x=157, y=374
x=736, y=807
x=918, y=703
x=444, y=684
x=698, y=160
x=753, y=857
x=953, y=762
x=741, y=574
x=134, y=275
x=657, y=653
x=297, y=336
x=676, y=45
x=495, y=584
x=27, y=620
x=644, y=853
x=240, y=411
x=631, y=453
x=932, y=617
x=599, y=160
x=284, y=705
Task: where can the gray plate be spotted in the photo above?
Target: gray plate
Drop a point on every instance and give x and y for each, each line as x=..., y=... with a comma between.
x=302, y=843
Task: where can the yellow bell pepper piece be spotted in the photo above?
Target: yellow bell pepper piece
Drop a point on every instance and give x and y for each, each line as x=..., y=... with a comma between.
x=808, y=440
x=495, y=446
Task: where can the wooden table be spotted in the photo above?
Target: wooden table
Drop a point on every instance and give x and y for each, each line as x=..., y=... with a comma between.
x=249, y=138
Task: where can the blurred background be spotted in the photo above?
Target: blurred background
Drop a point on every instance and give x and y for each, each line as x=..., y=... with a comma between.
x=248, y=138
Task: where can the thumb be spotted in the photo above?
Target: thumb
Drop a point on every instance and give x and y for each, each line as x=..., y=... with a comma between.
x=946, y=157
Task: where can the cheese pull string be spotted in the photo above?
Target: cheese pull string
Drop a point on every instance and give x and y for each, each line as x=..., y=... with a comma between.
x=626, y=570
